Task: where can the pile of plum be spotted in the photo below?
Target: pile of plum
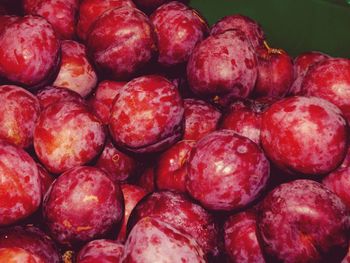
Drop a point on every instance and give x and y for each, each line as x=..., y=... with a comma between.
x=131, y=131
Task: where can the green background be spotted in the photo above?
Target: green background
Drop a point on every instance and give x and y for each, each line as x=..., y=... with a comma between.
x=294, y=25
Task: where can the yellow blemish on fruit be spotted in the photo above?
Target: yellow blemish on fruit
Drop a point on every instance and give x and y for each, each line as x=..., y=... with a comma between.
x=68, y=256
x=115, y=158
x=83, y=228
x=90, y=198
x=66, y=223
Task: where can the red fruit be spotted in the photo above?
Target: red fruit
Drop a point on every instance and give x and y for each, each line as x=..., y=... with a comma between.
x=152, y=240
x=19, y=112
x=302, y=221
x=179, y=211
x=76, y=73
x=82, y=204
x=330, y=80
x=241, y=242
x=60, y=13
x=304, y=135
x=147, y=115
x=6, y=20
x=116, y=53
x=302, y=63
x=171, y=169
x=102, y=101
x=67, y=135
x=46, y=179
x=30, y=51
x=275, y=73
x=90, y=11
x=226, y=171
x=223, y=67
x=178, y=29
x=248, y=26
x=118, y=166
x=244, y=118
x=147, y=180
x=18, y=255
x=50, y=95
x=101, y=250
x=31, y=239
x=132, y=195
x=201, y=118
x=20, y=185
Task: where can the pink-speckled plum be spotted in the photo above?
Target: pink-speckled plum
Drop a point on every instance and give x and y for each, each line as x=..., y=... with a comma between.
x=30, y=50
x=179, y=211
x=102, y=100
x=305, y=135
x=91, y=10
x=51, y=94
x=132, y=195
x=75, y=73
x=241, y=241
x=223, y=67
x=178, y=29
x=121, y=42
x=147, y=115
x=248, y=26
x=303, y=221
x=201, y=118
x=82, y=204
x=67, y=134
x=18, y=255
x=152, y=240
x=302, y=64
x=20, y=185
x=19, y=113
x=60, y=13
x=330, y=80
x=32, y=240
x=171, y=168
x=101, y=250
x=226, y=171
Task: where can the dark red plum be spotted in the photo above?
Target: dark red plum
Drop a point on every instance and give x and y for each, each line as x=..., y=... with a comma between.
x=303, y=221
x=248, y=26
x=82, y=204
x=75, y=73
x=91, y=10
x=330, y=80
x=118, y=54
x=51, y=94
x=147, y=180
x=132, y=195
x=147, y=115
x=223, y=67
x=302, y=64
x=241, y=242
x=19, y=113
x=178, y=29
x=102, y=100
x=67, y=135
x=46, y=179
x=60, y=13
x=179, y=211
x=30, y=51
x=101, y=250
x=275, y=73
x=306, y=135
x=171, y=168
x=226, y=171
x=201, y=118
x=32, y=240
x=20, y=185
x=152, y=240
x=118, y=165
